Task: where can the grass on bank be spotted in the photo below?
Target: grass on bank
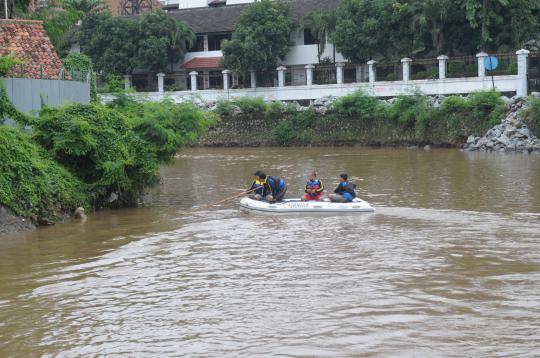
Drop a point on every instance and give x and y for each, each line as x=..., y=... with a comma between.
x=360, y=118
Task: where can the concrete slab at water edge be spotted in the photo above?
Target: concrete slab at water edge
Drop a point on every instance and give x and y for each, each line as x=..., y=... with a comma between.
x=11, y=223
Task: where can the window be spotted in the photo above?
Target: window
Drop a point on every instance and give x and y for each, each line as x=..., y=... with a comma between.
x=199, y=44
x=215, y=40
x=308, y=38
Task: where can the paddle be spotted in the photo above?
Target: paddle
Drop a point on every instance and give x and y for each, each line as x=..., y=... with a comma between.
x=230, y=198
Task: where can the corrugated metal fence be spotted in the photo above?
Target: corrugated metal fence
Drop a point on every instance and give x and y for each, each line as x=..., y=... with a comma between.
x=28, y=94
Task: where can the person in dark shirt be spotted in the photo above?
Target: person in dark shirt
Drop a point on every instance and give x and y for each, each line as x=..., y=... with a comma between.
x=267, y=188
x=344, y=192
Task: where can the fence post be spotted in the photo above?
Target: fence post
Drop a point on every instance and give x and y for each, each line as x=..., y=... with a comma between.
x=160, y=86
x=339, y=72
x=309, y=74
x=406, y=63
x=521, y=89
x=481, y=67
x=127, y=82
x=253, y=78
x=281, y=76
x=371, y=70
x=193, y=75
x=226, y=79
x=443, y=59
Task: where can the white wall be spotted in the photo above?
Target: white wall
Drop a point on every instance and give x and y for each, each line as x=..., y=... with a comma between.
x=378, y=89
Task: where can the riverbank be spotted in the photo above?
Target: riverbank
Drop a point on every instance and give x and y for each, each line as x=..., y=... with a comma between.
x=11, y=223
x=87, y=155
x=358, y=119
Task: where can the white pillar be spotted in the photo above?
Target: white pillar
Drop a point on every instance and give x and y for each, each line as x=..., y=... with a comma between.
x=226, y=79
x=205, y=43
x=253, y=78
x=481, y=67
x=359, y=74
x=309, y=74
x=160, y=86
x=206, y=79
x=522, y=55
x=406, y=63
x=371, y=70
x=127, y=82
x=443, y=59
x=193, y=75
x=281, y=76
x=339, y=72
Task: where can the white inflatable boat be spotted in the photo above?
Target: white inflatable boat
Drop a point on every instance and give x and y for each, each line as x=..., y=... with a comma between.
x=299, y=206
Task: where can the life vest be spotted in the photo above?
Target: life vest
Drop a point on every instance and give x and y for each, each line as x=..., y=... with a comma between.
x=315, y=184
x=346, y=187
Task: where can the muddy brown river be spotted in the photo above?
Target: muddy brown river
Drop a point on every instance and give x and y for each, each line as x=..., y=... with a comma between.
x=447, y=266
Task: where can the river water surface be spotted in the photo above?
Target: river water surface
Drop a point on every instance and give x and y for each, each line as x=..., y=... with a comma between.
x=448, y=266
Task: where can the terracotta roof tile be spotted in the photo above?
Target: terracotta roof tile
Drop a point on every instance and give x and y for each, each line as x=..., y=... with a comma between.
x=28, y=41
x=203, y=62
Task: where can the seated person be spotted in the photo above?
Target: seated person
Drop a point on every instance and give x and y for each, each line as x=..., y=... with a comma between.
x=268, y=188
x=344, y=192
x=314, y=188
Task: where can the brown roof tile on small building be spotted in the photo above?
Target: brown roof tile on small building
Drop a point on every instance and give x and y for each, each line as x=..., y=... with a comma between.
x=28, y=41
x=203, y=63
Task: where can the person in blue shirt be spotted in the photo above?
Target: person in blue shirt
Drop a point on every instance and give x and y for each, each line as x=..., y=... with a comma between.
x=344, y=192
x=268, y=188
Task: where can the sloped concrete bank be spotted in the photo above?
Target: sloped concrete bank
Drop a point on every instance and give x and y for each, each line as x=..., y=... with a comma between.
x=11, y=223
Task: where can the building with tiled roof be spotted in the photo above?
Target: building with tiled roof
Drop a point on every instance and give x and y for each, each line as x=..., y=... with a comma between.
x=28, y=41
x=213, y=21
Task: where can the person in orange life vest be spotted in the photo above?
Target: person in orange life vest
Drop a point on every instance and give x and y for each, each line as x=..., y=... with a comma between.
x=314, y=188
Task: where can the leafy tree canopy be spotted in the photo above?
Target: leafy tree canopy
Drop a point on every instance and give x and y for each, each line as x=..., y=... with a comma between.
x=261, y=37
x=118, y=45
x=397, y=28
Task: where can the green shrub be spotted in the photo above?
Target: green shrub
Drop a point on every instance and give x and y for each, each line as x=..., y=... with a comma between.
x=7, y=109
x=296, y=129
x=117, y=148
x=81, y=68
x=512, y=69
x=251, y=105
x=223, y=107
x=407, y=110
x=31, y=183
x=114, y=82
x=7, y=63
x=284, y=132
x=532, y=116
x=487, y=108
x=359, y=105
x=457, y=67
x=276, y=109
x=391, y=77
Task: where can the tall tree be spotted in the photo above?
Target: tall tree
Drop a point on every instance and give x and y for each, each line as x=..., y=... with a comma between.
x=315, y=23
x=111, y=42
x=162, y=41
x=321, y=24
x=361, y=28
x=261, y=37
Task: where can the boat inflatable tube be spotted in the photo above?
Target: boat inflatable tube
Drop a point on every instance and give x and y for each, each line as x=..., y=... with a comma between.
x=299, y=206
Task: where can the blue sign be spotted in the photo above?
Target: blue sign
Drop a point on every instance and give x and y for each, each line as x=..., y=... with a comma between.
x=491, y=63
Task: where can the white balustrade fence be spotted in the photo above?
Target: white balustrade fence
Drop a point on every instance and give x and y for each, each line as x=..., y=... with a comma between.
x=310, y=90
